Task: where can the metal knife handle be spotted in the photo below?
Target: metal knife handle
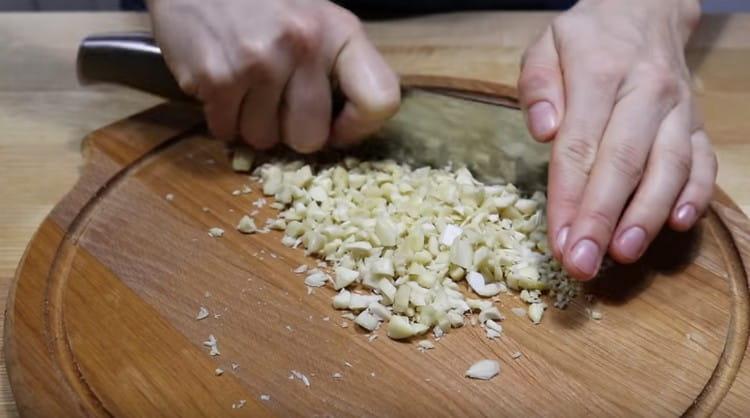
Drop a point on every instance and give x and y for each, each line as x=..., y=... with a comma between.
x=131, y=59
x=134, y=60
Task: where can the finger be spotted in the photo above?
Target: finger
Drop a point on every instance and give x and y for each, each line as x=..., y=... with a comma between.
x=306, y=114
x=666, y=173
x=540, y=88
x=622, y=155
x=698, y=191
x=371, y=89
x=211, y=81
x=590, y=97
x=259, y=116
x=222, y=112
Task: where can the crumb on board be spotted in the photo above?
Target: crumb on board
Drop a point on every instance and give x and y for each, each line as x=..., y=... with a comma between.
x=301, y=377
x=239, y=404
x=265, y=397
x=215, y=232
x=219, y=371
x=169, y=197
x=247, y=225
x=213, y=345
x=516, y=355
x=202, y=313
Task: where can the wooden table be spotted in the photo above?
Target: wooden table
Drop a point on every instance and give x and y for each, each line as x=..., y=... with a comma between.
x=44, y=113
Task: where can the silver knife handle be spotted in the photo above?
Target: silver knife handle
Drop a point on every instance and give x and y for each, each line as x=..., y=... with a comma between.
x=131, y=59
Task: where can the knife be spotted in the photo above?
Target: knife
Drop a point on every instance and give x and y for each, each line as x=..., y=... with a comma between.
x=434, y=126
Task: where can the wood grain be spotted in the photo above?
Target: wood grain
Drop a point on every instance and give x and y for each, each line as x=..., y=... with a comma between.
x=45, y=114
x=112, y=320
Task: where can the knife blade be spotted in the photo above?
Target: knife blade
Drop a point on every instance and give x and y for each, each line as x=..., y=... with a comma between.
x=434, y=126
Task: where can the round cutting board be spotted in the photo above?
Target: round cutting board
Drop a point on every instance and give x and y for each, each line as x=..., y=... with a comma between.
x=102, y=317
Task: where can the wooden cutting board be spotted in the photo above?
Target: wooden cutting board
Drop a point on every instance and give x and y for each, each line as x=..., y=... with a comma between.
x=101, y=319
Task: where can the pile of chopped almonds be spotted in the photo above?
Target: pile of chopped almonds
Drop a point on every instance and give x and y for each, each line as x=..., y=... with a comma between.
x=400, y=239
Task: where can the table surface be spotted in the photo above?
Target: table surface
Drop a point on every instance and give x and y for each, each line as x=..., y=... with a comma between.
x=44, y=114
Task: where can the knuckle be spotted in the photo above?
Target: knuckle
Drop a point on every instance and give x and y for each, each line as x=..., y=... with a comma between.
x=625, y=161
x=206, y=82
x=662, y=82
x=678, y=162
x=303, y=34
x=256, y=60
x=579, y=152
x=349, y=21
x=533, y=78
x=606, y=70
x=188, y=84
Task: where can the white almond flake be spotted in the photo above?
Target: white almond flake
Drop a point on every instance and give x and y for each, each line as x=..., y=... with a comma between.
x=242, y=159
x=492, y=325
x=236, y=192
x=301, y=269
x=265, y=397
x=235, y=367
x=239, y=404
x=372, y=337
x=246, y=189
x=326, y=318
x=347, y=364
x=205, y=209
x=212, y=344
x=450, y=233
x=169, y=197
x=337, y=376
x=215, y=232
x=425, y=345
x=316, y=279
x=247, y=225
x=289, y=328
x=595, y=314
x=202, y=313
x=260, y=202
x=483, y=370
x=492, y=334
x=218, y=371
x=516, y=355
x=536, y=310
x=301, y=377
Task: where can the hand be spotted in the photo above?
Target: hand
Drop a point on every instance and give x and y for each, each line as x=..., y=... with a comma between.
x=608, y=81
x=263, y=69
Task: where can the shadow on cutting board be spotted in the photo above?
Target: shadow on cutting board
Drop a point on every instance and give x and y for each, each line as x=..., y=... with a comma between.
x=671, y=252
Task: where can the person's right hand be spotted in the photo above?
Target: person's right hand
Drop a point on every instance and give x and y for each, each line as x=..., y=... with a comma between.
x=264, y=69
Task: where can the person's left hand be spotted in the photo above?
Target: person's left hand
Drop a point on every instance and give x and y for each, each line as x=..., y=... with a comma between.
x=609, y=83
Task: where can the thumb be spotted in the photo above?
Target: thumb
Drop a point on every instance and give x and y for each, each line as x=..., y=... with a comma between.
x=540, y=88
x=371, y=88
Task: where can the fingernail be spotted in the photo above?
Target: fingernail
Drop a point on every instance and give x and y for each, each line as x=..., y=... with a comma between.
x=562, y=238
x=630, y=243
x=686, y=214
x=542, y=119
x=585, y=256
